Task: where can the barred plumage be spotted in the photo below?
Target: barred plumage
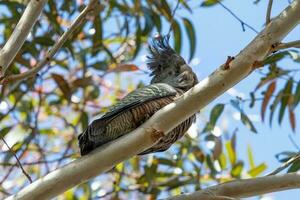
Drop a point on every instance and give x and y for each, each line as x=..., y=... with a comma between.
x=171, y=77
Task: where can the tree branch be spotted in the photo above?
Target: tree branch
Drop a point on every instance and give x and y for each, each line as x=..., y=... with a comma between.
x=81, y=18
x=294, y=44
x=285, y=165
x=20, y=33
x=239, y=19
x=163, y=121
x=247, y=187
x=268, y=15
x=18, y=161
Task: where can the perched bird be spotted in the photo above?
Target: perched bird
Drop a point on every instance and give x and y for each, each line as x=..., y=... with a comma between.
x=171, y=78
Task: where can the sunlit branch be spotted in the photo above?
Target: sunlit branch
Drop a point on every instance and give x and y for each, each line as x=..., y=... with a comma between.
x=18, y=161
x=81, y=18
x=285, y=165
x=294, y=44
x=20, y=33
x=269, y=9
x=247, y=187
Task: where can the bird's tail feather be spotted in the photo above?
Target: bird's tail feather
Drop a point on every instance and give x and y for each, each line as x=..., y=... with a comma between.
x=91, y=137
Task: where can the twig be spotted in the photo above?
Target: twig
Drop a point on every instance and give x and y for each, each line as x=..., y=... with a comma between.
x=39, y=161
x=81, y=18
x=268, y=15
x=18, y=161
x=294, y=143
x=20, y=33
x=172, y=16
x=244, y=24
x=293, y=44
x=285, y=165
x=4, y=192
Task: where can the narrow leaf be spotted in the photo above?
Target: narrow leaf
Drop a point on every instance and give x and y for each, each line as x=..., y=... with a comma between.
x=274, y=106
x=247, y=122
x=177, y=36
x=257, y=170
x=214, y=116
x=250, y=157
x=284, y=100
x=63, y=85
x=292, y=119
x=268, y=94
x=231, y=152
x=294, y=167
x=217, y=149
x=192, y=36
x=297, y=95
x=207, y=3
x=237, y=169
x=4, y=131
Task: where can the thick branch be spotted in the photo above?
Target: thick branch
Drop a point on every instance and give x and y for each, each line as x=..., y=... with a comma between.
x=247, y=188
x=20, y=33
x=103, y=159
x=81, y=18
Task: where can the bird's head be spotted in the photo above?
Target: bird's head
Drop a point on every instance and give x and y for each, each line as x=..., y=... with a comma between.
x=169, y=67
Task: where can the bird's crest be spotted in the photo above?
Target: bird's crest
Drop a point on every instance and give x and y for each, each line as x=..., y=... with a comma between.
x=161, y=56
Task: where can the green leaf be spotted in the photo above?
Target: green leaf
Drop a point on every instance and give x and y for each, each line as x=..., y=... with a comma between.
x=183, y=2
x=177, y=36
x=231, y=153
x=247, y=122
x=285, y=99
x=237, y=169
x=235, y=103
x=4, y=131
x=214, y=116
x=257, y=170
x=192, y=36
x=45, y=41
x=210, y=165
x=275, y=57
x=274, y=106
x=84, y=120
x=207, y=3
x=63, y=85
x=164, y=161
x=294, y=167
x=252, y=102
x=157, y=21
x=250, y=157
x=222, y=161
x=98, y=35
x=166, y=9
x=267, y=96
x=149, y=22
x=297, y=95
x=138, y=40
x=274, y=73
x=286, y=155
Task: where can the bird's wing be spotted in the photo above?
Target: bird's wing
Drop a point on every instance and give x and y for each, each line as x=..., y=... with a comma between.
x=138, y=97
